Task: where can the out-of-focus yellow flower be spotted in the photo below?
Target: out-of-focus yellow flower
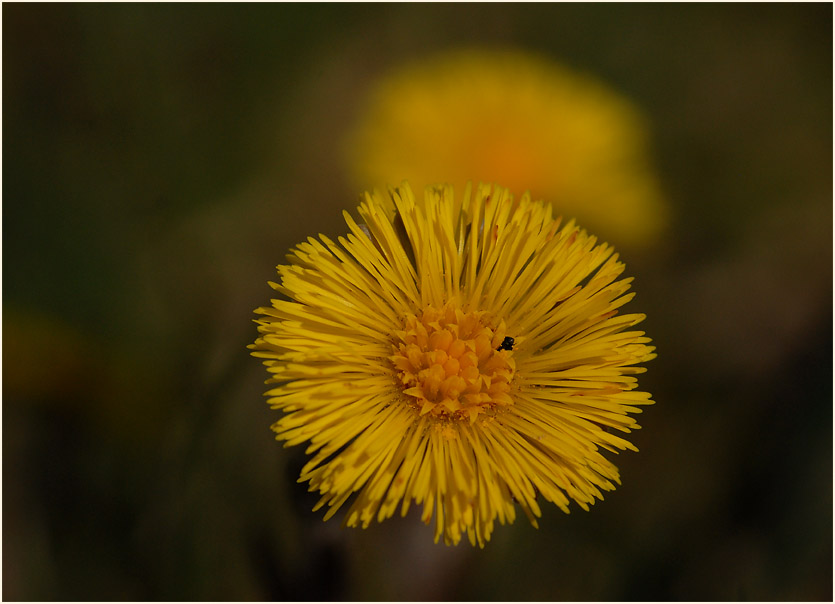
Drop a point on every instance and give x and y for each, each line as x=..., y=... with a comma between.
x=464, y=354
x=518, y=119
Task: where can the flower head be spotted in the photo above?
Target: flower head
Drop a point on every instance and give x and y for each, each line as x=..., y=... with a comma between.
x=463, y=354
x=519, y=119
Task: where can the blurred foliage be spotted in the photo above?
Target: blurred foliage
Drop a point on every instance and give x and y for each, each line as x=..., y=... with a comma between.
x=159, y=160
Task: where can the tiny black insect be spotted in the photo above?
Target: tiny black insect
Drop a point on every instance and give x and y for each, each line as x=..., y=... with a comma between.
x=507, y=344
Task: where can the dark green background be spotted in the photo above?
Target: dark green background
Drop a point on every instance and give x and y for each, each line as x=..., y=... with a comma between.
x=159, y=160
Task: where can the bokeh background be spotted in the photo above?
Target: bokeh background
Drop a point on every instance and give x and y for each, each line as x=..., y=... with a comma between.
x=159, y=160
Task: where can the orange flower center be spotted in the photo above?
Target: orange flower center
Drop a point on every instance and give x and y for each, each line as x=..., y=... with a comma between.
x=454, y=364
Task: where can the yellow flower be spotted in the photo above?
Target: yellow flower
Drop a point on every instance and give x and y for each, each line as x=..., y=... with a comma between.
x=464, y=354
x=518, y=119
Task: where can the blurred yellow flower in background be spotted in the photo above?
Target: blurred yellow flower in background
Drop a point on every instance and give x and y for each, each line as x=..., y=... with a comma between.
x=519, y=119
x=465, y=354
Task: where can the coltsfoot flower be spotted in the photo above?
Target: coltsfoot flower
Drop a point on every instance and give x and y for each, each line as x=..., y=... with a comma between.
x=520, y=119
x=466, y=355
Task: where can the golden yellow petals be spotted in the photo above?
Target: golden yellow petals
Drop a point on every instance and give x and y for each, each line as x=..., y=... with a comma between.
x=465, y=355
